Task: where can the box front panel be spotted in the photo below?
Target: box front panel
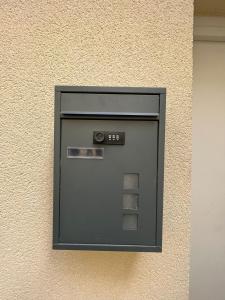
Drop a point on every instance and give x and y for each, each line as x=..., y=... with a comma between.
x=108, y=192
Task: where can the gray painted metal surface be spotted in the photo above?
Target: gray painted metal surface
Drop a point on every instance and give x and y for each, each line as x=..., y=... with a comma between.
x=89, y=194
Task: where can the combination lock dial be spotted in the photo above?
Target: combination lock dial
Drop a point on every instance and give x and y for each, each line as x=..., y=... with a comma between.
x=109, y=137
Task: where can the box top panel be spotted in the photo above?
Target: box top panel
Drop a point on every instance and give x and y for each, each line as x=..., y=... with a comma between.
x=108, y=99
x=111, y=90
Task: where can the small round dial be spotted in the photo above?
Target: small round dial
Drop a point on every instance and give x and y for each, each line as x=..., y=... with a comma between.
x=99, y=137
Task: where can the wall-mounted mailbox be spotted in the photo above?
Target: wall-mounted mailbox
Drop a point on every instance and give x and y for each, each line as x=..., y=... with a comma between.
x=108, y=177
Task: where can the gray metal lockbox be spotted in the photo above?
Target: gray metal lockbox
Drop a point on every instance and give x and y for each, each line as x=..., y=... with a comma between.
x=108, y=168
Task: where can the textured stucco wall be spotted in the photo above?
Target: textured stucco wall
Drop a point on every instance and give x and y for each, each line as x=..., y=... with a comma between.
x=125, y=43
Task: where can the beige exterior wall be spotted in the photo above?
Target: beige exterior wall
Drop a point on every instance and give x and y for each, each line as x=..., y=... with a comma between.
x=113, y=43
x=208, y=190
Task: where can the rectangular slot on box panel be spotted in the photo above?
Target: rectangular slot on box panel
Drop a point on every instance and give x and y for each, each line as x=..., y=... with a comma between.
x=130, y=201
x=86, y=153
x=130, y=222
x=131, y=181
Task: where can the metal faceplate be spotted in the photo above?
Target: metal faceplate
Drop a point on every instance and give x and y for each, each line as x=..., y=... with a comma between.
x=108, y=169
